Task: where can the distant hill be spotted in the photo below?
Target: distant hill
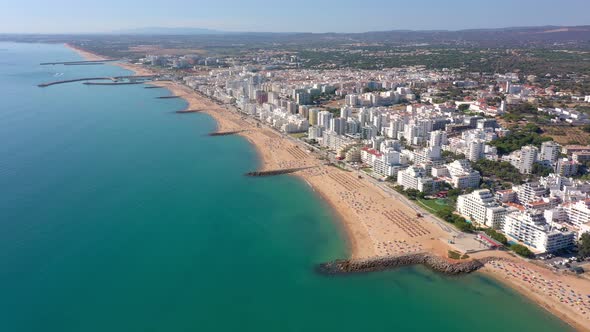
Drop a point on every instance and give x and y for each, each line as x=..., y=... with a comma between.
x=512, y=36
x=515, y=34
x=168, y=31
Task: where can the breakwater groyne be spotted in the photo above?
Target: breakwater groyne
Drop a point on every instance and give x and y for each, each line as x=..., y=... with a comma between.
x=168, y=97
x=112, y=83
x=115, y=79
x=43, y=85
x=277, y=171
x=226, y=133
x=188, y=111
x=431, y=261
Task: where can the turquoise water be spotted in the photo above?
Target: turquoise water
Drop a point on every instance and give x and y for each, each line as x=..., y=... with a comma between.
x=119, y=215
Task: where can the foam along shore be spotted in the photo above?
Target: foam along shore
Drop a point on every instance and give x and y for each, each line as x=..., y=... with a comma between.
x=378, y=225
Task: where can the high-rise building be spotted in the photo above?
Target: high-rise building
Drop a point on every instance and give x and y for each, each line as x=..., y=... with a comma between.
x=529, y=192
x=338, y=125
x=363, y=116
x=368, y=132
x=578, y=213
x=415, y=177
x=352, y=126
x=462, y=175
x=550, y=152
x=475, y=150
x=566, y=167
x=303, y=98
x=315, y=132
x=530, y=228
x=528, y=156
x=437, y=138
x=395, y=127
x=481, y=207
x=324, y=118
x=313, y=116
x=345, y=112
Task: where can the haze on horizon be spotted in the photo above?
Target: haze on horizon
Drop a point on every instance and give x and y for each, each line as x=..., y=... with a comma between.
x=70, y=16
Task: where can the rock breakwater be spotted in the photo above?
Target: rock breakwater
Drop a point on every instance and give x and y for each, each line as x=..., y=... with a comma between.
x=433, y=262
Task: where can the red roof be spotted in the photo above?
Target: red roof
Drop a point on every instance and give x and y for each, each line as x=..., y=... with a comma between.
x=518, y=206
x=372, y=151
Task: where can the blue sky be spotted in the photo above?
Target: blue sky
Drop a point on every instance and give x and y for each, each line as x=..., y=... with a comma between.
x=69, y=16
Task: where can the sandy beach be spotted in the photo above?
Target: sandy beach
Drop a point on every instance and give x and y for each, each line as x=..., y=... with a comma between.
x=377, y=224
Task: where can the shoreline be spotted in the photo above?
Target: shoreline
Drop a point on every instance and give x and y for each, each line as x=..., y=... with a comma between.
x=363, y=212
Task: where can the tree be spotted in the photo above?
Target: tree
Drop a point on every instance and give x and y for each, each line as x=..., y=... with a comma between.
x=496, y=235
x=463, y=107
x=541, y=170
x=521, y=250
x=528, y=135
x=500, y=169
x=584, y=246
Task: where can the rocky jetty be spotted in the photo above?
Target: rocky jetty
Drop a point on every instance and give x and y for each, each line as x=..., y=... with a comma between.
x=226, y=133
x=168, y=97
x=276, y=172
x=433, y=262
x=188, y=111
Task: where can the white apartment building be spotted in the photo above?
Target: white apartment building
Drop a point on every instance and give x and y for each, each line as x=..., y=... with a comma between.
x=528, y=156
x=578, y=213
x=550, y=152
x=530, y=228
x=415, y=178
x=566, y=167
x=334, y=141
x=437, y=138
x=324, y=118
x=529, y=192
x=475, y=150
x=481, y=207
x=315, y=132
x=428, y=154
x=462, y=175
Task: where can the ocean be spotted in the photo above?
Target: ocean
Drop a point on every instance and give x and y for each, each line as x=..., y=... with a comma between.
x=119, y=215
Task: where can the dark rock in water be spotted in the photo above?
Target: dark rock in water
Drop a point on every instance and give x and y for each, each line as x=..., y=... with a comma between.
x=433, y=262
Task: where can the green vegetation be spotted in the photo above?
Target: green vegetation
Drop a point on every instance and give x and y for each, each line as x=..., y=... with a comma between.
x=584, y=246
x=447, y=215
x=412, y=194
x=451, y=156
x=298, y=135
x=528, y=135
x=454, y=254
x=463, y=107
x=521, y=250
x=541, y=170
x=496, y=235
x=433, y=205
x=500, y=169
